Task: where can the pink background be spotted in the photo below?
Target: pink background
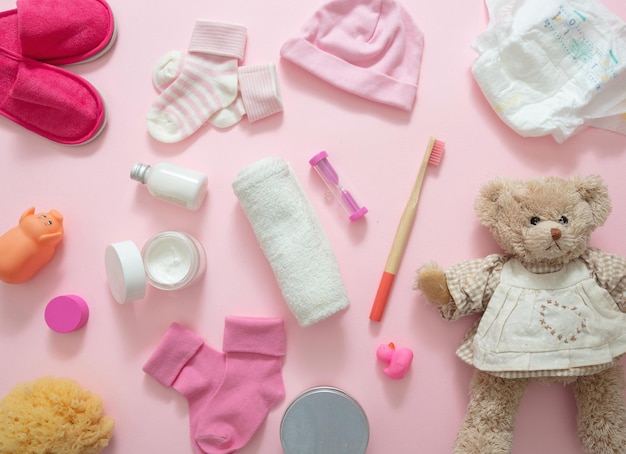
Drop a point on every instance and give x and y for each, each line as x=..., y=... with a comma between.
x=377, y=148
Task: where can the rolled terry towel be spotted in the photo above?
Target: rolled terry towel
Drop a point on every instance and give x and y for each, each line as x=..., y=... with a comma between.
x=292, y=239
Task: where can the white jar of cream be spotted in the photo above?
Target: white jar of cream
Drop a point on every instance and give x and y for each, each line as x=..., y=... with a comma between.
x=169, y=260
x=172, y=260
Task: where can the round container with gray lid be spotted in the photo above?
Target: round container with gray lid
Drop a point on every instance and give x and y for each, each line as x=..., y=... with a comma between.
x=324, y=420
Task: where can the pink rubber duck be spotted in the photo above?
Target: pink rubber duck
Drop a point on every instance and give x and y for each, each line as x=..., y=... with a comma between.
x=399, y=360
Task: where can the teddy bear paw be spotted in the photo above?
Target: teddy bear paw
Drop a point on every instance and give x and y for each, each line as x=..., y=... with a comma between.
x=431, y=281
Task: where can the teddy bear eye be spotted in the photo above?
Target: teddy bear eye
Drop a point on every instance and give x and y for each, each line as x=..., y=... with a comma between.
x=535, y=220
x=563, y=220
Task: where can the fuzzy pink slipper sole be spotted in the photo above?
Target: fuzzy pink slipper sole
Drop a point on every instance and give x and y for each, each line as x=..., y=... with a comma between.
x=59, y=32
x=50, y=101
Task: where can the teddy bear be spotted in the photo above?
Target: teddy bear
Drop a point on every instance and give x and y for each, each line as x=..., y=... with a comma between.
x=549, y=307
x=53, y=415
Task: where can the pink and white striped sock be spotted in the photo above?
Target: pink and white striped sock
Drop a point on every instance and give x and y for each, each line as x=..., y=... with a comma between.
x=206, y=83
x=259, y=92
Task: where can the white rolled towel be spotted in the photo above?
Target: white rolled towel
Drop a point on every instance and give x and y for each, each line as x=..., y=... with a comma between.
x=292, y=239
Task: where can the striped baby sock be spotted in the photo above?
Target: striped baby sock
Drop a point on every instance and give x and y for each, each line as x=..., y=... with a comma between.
x=206, y=82
x=259, y=92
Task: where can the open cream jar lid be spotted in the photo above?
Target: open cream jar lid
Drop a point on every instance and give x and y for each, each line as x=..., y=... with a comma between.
x=125, y=272
x=324, y=420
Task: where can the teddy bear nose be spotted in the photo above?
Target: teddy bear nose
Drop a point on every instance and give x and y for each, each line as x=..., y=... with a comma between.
x=556, y=233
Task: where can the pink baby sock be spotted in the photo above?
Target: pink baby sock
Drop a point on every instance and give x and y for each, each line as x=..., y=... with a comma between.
x=251, y=387
x=259, y=92
x=182, y=361
x=207, y=82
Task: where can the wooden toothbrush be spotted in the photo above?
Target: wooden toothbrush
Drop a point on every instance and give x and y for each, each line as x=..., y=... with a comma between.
x=433, y=154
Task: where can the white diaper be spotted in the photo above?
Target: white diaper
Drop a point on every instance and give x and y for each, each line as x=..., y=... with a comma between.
x=553, y=67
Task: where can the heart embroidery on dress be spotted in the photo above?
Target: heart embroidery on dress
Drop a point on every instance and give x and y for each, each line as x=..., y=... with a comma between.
x=553, y=310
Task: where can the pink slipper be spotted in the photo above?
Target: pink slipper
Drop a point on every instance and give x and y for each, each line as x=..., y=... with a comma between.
x=50, y=101
x=58, y=32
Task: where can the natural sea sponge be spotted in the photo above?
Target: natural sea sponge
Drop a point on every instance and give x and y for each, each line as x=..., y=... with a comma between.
x=53, y=415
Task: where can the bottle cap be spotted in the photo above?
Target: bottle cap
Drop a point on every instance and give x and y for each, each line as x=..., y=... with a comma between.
x=138, y=172
x=125, y=271
x=66, y=313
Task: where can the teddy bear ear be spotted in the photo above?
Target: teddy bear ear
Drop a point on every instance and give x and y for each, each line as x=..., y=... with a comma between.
x=594, y=191
x=487, y=204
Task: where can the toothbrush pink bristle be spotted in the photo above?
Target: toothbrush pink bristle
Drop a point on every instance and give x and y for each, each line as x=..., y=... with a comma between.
x=436, y=152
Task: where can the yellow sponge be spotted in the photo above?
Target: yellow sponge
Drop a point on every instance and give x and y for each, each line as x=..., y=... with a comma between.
x=53, y=415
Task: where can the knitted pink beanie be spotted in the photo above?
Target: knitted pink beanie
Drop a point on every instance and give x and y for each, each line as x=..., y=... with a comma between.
x=371, y=48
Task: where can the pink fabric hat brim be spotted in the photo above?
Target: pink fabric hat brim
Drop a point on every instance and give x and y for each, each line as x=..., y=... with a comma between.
x=370, y=85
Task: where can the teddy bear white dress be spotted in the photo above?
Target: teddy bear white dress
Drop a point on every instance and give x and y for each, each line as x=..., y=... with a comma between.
x=559, y=323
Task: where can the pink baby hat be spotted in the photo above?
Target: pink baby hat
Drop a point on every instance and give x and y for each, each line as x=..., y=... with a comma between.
x=371, y=48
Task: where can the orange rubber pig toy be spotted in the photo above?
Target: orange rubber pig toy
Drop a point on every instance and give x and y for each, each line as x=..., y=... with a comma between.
x=29, y=246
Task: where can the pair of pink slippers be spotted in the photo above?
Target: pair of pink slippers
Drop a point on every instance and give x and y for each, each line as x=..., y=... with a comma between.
x=34, y=93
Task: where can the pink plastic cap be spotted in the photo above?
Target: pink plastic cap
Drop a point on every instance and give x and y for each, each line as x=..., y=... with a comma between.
x=317, y=158
x=66, y=313
x=358, y=214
